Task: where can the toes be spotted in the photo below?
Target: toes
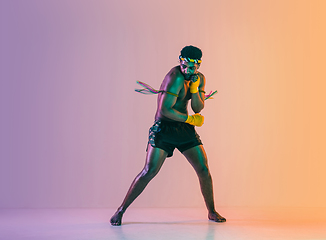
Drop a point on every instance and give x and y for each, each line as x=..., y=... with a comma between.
x=216, y=218
x=115, y=222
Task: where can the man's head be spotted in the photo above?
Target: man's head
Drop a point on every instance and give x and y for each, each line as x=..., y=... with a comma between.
x=190, y=60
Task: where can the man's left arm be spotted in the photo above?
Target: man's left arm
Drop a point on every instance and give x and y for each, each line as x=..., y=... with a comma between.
x=198, y=98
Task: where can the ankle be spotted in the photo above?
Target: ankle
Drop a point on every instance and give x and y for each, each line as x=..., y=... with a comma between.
x=212, y=211
x=121, y=210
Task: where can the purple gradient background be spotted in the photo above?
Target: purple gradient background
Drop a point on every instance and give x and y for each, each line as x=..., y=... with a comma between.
x=74, y=132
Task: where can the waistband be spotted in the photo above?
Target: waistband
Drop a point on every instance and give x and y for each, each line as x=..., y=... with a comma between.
x=170, y=123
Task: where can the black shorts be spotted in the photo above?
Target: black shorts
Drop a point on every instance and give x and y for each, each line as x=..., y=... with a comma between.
x=170, y=135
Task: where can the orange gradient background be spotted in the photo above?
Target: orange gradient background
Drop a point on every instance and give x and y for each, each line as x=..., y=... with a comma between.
x=74, y=132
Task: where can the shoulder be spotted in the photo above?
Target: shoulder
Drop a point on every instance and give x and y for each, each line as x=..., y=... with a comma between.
x=201, y=75
x=202, y=79
x=174, y=79
x=175, y=74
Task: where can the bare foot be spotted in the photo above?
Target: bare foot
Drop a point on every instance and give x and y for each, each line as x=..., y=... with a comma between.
x=214, y=216
x=116, y=218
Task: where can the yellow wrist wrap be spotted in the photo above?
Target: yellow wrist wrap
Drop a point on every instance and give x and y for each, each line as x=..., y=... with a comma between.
x=194, y=86
x=196, y=120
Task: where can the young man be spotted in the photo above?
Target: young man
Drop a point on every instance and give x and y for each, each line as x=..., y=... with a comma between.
x=174, y=128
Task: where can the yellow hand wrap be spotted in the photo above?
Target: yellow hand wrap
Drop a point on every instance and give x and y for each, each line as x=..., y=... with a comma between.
x=196, y=120
x=194, y=84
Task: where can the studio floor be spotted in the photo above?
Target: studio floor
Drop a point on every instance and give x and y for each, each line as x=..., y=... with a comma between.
x=163, y=223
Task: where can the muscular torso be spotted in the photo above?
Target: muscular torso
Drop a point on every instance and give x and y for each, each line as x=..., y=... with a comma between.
x=183, y=98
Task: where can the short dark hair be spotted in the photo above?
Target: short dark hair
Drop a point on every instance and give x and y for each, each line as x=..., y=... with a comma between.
x=191, y=52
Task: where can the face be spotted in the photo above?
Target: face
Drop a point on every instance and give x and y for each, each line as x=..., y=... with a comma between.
x=188, y=69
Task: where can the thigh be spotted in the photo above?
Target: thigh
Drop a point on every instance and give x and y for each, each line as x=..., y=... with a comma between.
x=154, y=159
x=196, y=156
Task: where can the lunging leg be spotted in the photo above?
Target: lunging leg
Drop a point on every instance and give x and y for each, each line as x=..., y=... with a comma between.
x=154, y=161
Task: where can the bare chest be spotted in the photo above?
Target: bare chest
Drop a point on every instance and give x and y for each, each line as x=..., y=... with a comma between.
x=184, y=93
x=183, y=98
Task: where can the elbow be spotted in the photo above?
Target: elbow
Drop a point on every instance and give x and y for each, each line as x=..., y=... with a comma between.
x=165, y=111
x=197, y=109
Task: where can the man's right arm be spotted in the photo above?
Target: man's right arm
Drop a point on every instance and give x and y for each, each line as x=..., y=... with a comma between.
x=167, y=102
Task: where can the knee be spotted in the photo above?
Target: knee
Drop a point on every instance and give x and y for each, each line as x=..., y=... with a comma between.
x=148, y=173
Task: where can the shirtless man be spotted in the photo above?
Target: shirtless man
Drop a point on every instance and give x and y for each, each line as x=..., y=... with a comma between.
x=174, y=128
